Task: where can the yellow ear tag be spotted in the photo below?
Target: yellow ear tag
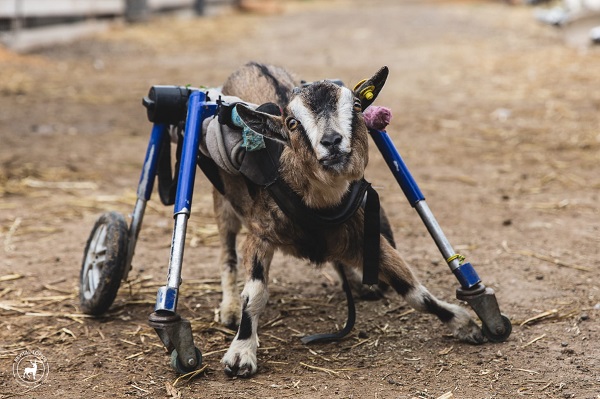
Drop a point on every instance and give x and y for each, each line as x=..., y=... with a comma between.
x=356, y=86
x=367, y=92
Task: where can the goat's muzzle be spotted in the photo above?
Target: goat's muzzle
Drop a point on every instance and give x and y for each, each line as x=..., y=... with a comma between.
x=335, y=159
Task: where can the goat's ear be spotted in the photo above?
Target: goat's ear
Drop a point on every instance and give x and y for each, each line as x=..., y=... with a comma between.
x=263, y=123
x=367, y=90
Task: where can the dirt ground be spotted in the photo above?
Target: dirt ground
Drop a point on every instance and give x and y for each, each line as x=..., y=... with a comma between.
x=497, y=118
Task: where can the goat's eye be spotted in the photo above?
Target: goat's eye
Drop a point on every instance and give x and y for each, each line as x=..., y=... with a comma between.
x=357, y=105
x=292, y=123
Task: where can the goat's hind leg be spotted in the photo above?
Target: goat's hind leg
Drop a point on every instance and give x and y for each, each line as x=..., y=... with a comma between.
x=397, y=274
x=229, y=226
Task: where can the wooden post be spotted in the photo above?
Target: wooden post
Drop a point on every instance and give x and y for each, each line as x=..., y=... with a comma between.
x=199, y=6
x=136, y=10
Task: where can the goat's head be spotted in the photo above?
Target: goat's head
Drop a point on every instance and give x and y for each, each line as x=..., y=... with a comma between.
x=323, y=124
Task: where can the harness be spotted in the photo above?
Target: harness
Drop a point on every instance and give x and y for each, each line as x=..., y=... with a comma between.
x=261, y=167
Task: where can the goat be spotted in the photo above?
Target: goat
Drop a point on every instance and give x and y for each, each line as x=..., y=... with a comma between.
x=30, y=372
x=325, y=150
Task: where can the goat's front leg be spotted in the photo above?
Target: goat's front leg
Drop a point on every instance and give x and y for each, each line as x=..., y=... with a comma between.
x=229, y=227
x=240, y=358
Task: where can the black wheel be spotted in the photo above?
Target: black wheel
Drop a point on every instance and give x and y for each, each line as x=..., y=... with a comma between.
x=182, y=369
x=103, y=264
x=492, y=337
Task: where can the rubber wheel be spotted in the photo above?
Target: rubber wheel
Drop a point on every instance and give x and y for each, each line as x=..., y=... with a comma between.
x=103, y=264
x=495, y=337
x=180, y=368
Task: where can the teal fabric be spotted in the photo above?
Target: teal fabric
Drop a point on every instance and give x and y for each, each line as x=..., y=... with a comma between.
x=252, y=141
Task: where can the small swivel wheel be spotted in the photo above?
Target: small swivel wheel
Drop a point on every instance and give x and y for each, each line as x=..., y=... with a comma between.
x=104, y=262
x=180, y=368
x=503, y=336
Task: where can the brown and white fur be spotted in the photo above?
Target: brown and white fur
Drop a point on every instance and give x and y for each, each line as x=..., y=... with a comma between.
x=326, y=148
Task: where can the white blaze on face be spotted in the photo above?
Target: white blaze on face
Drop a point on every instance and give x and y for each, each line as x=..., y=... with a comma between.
x=344, y=118
x=308, y=120
x=316, y=125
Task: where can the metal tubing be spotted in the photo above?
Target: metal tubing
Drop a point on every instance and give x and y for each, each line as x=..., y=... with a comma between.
x=134, y=230
x=146, y=183
x=185, y=187
x=136, y=220
x=436, y=233
x=166, y=298
x=479, y=297
x=144, y=191
x=198, y=110
x=397, y=166
x=189, y=154
x=177, y=246
x=465, y=273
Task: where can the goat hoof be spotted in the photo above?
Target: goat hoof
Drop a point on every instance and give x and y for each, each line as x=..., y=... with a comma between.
x=470, y=333
x=239, y=365
x=243, y=372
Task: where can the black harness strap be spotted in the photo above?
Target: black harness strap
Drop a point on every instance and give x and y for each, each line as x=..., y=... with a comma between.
x=372, y=236
x=167, y=181
x=291, y=204
x=310, y=219
x=211, y=171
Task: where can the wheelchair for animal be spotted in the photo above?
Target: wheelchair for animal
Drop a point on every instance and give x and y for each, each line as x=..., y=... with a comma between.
x=111, y=244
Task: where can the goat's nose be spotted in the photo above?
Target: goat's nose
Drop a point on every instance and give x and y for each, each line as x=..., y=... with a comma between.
x=331, y=139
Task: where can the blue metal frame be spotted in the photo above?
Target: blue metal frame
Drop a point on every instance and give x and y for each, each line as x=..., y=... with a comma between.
x=144, y=190
x=146, y=183
x=198, y=110
x=482, y=299
x=465, y=273
x=397, y=166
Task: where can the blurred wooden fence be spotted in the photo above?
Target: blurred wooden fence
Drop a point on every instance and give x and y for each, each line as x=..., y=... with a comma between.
x=26, y=24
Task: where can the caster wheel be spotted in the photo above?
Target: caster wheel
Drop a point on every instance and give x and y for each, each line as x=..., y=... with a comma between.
x=498, y=337
x=180, y=368
x=104, y=261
